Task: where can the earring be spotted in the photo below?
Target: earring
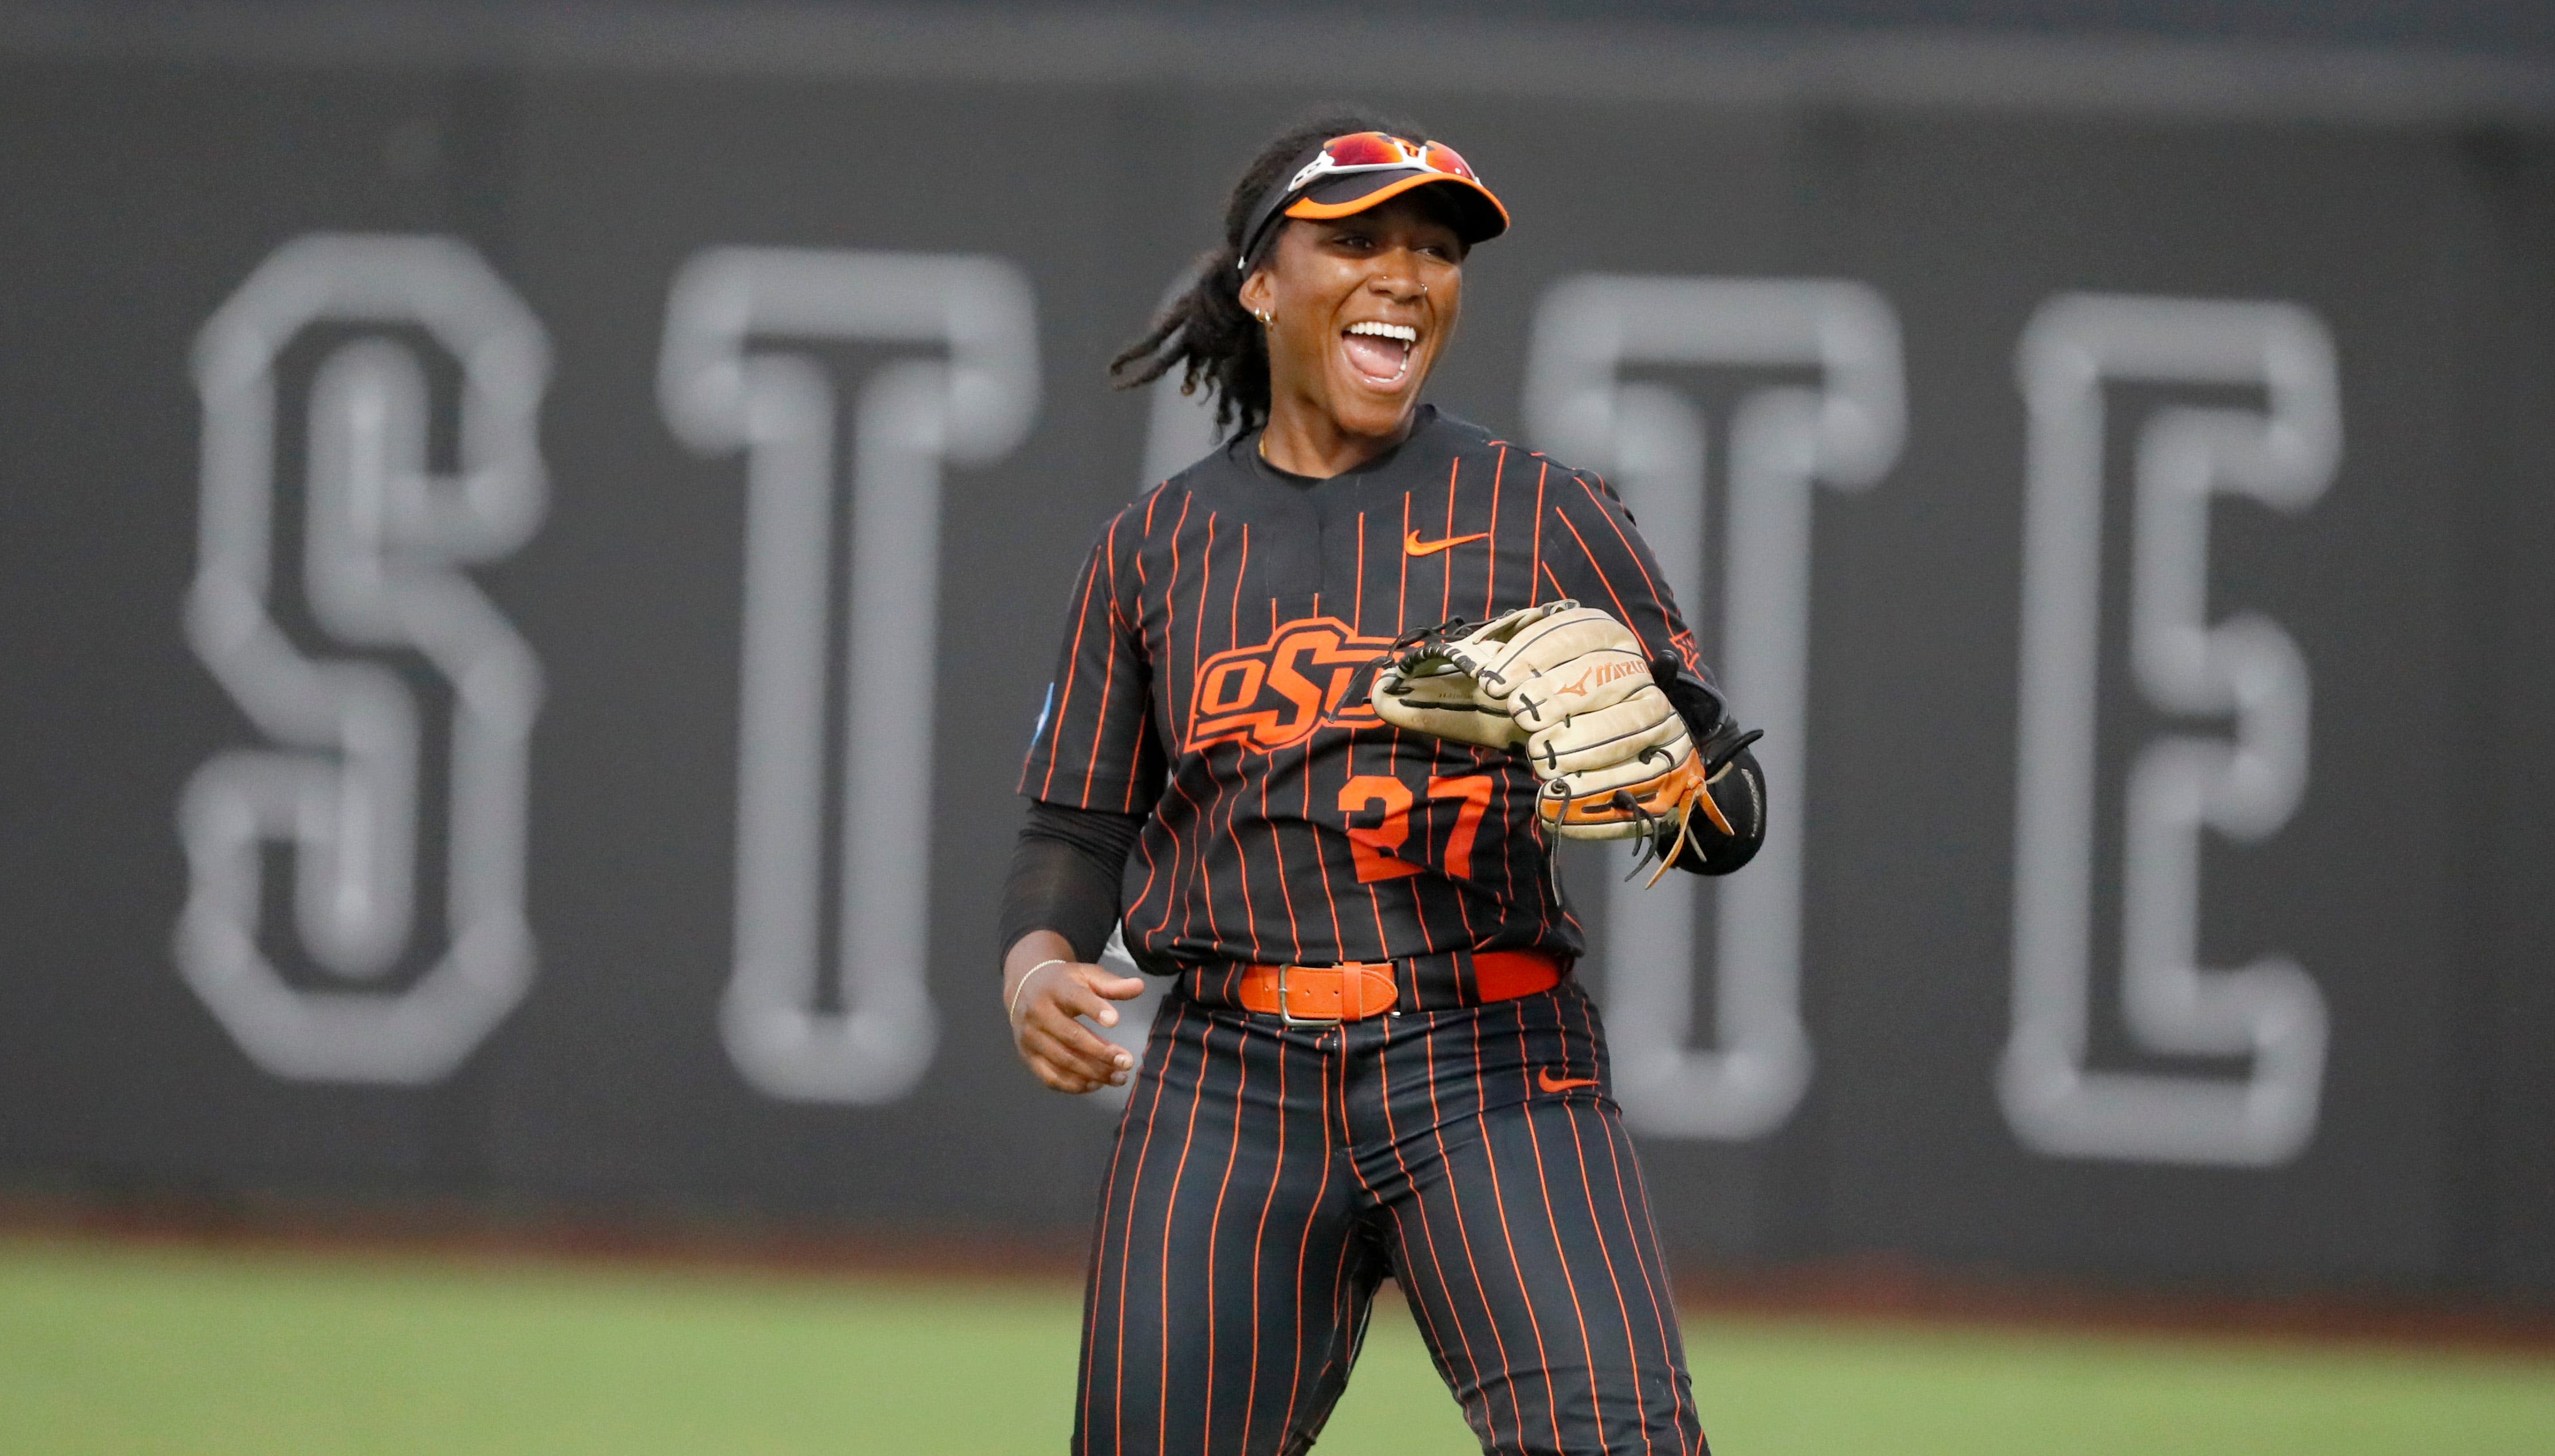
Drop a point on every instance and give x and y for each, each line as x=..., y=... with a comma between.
x=1262, y=318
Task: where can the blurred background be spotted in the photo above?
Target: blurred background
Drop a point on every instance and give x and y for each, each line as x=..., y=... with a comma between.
x=485, y=969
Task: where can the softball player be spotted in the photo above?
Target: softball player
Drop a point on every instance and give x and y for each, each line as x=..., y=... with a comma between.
x=1329, y=824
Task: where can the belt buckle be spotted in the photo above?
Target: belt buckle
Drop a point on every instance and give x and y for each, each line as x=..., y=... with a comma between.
x=1285, y=1006
x=1346, y=977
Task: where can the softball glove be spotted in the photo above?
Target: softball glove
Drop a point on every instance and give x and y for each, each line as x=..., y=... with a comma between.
x=1569, y=687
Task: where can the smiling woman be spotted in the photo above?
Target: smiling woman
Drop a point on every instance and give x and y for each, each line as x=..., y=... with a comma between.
x=1373, y=1061
x=1331, y=168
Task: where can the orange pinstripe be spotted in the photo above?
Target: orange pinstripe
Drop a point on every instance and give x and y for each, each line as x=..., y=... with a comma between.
x=1090, y=576
x=1145, y=847
x=1621, y=614
x=1171, y=589
x=1374, y=893
x=1588, y=1191
x=1392, y=1134
x=1241, y=572
x=1410, y=884
x=1464, y=1235
x=1278, y=846
x=1507, y=1235
x=1242, y=867
x=1506, y=788
x=1655, y=1281
x=1126, y=1252
x=1197, y=654
x=1233, y=801
x=1179, y=1171
x=1259, y=1242
x=1342, y=1310
x=1304, y=1246
x=1402, y=601
x=1215, y=1226
x=1535, y=591
x=1099, y=1263
x=1100, y=720
x=1476, y=1411
x=1446, y=558
x=1560, y=1248
x=1618, y=1146
x=1446, y=609
x=1171, y=614
x=1463, y=903
x=1179, y=847
x=1658, y=601
x=1135, y=740
x=1357, y=611
x=1557, y=588
x=1206, y=583
x=1321, y=861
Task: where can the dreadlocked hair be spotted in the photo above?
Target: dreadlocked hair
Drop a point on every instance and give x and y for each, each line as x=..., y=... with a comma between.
x=1205, y=333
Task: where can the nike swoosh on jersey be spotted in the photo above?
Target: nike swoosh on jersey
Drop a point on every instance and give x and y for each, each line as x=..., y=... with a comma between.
x=1544, y=1078
x=1412, y=545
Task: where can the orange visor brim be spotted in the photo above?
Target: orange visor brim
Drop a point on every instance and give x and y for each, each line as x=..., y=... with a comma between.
x=1308, y=207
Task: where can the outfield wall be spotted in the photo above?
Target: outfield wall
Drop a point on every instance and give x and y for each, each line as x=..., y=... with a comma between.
x=2128, y=513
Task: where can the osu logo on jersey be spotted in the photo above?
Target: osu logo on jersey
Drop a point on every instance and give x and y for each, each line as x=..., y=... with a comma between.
x=1273, y=695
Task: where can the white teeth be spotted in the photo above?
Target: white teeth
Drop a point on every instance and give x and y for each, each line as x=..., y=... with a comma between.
x=1401, y=331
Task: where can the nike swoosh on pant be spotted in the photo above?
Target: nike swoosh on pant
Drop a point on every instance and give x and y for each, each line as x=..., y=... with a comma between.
x=1546, y=1080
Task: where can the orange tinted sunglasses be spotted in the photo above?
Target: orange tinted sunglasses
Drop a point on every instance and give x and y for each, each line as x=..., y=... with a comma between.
x=1380, y=152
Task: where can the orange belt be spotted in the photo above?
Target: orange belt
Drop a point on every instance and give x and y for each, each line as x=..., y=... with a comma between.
x=1356, y=990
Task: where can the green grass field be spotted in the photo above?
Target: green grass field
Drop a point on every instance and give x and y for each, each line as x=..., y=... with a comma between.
x=116, y=1348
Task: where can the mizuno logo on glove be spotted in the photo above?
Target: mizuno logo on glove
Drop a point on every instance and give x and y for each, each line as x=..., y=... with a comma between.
x=1599, y=675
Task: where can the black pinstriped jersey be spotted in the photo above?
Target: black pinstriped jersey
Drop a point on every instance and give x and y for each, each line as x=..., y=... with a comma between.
x=1210, y=677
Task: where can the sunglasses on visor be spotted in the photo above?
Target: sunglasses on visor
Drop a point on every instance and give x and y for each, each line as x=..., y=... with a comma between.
x=1380, y=152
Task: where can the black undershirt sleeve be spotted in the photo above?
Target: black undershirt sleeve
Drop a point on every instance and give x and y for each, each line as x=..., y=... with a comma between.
x=1066, y=870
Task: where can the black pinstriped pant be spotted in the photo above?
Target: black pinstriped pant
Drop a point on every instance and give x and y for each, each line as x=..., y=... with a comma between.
x=1267, y=1176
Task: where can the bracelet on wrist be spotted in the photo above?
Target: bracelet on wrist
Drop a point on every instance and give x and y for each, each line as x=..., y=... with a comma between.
x=1012, y=1013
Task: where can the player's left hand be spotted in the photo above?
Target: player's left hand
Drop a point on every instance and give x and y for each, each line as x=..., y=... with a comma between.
x=1569, y=685
x=1597, y=725
x=1615, y=758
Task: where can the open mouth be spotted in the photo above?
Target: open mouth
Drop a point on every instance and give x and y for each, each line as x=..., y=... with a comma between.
x=1380, y=352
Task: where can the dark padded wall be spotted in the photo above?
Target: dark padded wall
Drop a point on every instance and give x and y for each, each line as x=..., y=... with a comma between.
x=2409, y=881
x=1971, y=226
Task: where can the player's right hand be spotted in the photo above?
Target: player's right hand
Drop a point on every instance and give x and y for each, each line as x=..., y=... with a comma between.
x=1047, y=1030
